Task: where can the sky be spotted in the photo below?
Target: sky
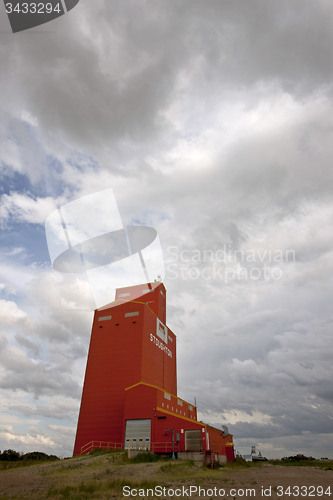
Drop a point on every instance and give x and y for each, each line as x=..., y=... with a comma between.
x=212, y=122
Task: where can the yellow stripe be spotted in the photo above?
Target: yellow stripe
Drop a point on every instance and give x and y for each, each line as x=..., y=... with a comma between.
x=180, y=416
x=160, y=389
x=229, y=444
x=120, y=300
x=148, y=385
x=176, y=414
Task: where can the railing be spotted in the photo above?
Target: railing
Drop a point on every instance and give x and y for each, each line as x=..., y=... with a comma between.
x=100, y=444
x=163, y=447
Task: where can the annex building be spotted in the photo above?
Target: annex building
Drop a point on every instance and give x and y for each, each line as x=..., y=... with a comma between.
x=129, y=395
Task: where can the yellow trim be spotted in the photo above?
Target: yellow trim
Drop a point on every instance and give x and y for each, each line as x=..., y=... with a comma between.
x=119, y=300
x=143, y=383
x=180, y=416
x=160, y=389
x=229, y=444
x=177, y=414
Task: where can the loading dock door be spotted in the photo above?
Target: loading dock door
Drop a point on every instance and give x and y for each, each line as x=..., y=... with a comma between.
x=138, y=432
x=193, y=440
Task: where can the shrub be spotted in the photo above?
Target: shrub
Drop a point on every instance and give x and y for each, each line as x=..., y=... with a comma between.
x=10, y=455
x=144, y=457
x=241, y=461
x=38, y=455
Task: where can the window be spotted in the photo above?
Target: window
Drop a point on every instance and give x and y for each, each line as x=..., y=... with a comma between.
x=104, y=318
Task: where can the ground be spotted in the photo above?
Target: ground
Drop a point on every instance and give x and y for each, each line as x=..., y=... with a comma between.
x=105, y=476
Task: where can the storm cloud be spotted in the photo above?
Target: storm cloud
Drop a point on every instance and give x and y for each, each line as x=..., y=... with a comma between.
x=212, y=122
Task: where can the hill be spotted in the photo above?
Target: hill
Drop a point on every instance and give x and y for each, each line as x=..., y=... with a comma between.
x=111, y=475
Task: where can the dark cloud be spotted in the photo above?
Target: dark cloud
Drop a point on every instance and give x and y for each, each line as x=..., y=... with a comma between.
x=98, y=89
x=21, y=373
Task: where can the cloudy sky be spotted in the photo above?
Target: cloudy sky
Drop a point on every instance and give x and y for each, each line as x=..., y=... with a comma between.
x=211, y=120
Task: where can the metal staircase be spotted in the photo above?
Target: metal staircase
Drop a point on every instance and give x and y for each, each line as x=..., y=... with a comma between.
x=210, y=458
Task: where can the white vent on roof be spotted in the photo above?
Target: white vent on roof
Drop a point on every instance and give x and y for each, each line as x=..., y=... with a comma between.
x=104, y=318
x=136, y=313
x=124, y=295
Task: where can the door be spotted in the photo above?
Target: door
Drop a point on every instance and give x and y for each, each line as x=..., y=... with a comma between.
x=193, y=440
x=138, y=432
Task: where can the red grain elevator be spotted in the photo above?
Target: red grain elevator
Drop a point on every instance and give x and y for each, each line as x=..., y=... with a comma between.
x=130, y=386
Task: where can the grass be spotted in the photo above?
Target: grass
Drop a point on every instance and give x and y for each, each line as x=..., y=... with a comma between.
x=4, y=465
x=101, y=451
x=102, y=475
x=144, y=457
x=185, y=470
x=175, y=465
x=86, y=491
x=238, y=464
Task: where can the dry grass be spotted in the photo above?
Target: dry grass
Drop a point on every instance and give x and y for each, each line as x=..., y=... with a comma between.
x=103, y=476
